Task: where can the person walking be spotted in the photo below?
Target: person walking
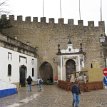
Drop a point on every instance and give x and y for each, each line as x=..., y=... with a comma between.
x=29, y=83
x=39, y=83
x=76, y=94
x=85, y=78
x=72, y=80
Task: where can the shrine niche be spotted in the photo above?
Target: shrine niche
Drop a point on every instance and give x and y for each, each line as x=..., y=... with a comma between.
x=71, y=61
x=70, y=68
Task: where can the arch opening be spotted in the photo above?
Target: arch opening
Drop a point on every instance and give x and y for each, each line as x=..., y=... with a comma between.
x=22, y=75
x=46, y=72
x=70, y=68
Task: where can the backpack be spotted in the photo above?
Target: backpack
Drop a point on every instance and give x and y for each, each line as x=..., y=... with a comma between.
x=40, y=81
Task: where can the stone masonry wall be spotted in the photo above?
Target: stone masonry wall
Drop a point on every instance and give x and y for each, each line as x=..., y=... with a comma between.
x=46, y=36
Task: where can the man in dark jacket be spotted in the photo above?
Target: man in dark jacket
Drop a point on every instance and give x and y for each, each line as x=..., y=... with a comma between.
x=76, y=94
x=29, y=82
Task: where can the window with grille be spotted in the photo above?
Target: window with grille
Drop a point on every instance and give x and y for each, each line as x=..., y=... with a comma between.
x=9, y=69
x=32, y=72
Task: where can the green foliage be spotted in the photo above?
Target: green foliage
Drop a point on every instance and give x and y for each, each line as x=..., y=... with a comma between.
x=4, y=23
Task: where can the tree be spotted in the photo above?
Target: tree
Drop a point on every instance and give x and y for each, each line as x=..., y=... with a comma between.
x=4, y=22
x=3, y=6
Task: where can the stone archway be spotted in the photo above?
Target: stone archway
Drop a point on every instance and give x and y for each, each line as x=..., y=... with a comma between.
x=70, y=68
x=46, y=72
x=22, y=75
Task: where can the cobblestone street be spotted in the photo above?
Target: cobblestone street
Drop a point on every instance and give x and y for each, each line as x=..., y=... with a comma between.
x=52, y=96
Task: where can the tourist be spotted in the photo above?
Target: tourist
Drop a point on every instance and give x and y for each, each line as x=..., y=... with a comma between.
x=39, y=83
x=72, y=80
x=76, y=94
x=85, y=78
x=29, y=82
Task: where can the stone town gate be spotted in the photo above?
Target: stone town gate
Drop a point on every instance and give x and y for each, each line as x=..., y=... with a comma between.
x=46, y=36
x=46, y=72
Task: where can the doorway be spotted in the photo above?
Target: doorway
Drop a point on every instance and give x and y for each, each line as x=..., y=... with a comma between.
x=46, y=72
x=22, y=76
x=70, y=68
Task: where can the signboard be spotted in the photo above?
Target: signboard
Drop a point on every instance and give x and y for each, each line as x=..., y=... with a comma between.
x=105, y=71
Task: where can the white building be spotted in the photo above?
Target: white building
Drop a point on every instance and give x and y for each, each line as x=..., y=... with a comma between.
x=17, y=61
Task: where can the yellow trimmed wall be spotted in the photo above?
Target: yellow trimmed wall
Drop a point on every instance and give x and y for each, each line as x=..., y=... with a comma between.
x=95, y=73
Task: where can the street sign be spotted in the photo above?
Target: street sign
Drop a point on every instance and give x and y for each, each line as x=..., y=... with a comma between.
x=105, y=71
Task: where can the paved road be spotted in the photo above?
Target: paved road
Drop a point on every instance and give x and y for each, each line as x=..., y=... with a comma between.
x=52, y=96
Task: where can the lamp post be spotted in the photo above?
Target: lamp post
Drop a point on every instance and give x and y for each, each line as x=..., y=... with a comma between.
x=102, y=41
x=102, y=38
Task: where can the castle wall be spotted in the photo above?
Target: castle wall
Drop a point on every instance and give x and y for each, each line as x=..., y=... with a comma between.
x=46, y=36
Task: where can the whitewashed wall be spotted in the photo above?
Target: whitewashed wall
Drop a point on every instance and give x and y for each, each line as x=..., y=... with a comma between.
x=4, y=61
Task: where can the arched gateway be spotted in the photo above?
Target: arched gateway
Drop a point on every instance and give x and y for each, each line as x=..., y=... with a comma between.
x=22, y=75
x=46, y=72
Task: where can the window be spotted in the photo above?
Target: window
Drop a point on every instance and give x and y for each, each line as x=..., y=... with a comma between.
x=69, y=49
x=9, y=56
x=22, y=59
x=32, y=61
x=91, y=65
x=9, y=69
x=32, y=72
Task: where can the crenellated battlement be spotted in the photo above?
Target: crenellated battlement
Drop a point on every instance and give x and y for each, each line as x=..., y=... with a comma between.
x=19, y=18
x=80, y=22
x=52, y=20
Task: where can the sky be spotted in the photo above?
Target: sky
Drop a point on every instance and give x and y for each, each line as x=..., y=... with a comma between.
x=90, y=9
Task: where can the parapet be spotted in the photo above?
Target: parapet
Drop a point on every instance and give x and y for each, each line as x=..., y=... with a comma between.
x=91, y=23
x=43, y=19
x=101, y=23
x=19, y=18
x=3, y=16
x=71, y=21
x=80, y=22
x=35, y=19
x=61, y=20
x=11, y=17
x=52, y=20
x=28, y=19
